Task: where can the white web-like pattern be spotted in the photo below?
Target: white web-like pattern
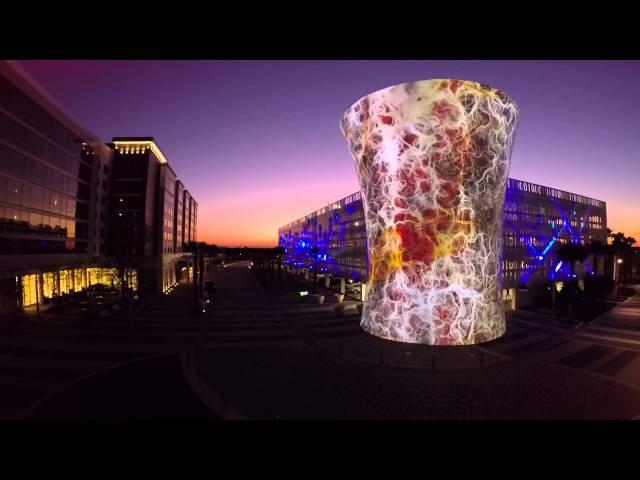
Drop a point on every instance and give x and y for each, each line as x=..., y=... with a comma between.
x=432, y=158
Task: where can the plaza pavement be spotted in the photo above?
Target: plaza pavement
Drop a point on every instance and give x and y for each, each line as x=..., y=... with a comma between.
x=255, y=355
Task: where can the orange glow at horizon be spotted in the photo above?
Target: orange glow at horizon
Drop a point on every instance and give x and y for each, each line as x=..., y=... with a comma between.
x=252, y=219
x=221, y=221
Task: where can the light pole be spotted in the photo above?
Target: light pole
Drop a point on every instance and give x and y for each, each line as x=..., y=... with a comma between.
x=616, y=262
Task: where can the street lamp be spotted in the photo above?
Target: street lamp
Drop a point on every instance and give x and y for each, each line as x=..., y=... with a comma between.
x=616, y=274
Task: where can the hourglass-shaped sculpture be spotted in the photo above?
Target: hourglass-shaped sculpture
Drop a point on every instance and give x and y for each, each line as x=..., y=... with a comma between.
x=432, y=159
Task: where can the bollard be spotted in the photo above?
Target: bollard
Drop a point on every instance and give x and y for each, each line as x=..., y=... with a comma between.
x=381, y=357
x=481, y=359
x=363, y=291
x=433, y=362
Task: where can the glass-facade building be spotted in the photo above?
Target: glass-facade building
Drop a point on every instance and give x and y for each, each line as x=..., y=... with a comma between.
x=536, y=220
x=74, y=211
x=50, y=180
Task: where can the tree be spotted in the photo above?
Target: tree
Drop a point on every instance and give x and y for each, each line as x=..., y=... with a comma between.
x=314, y=251
x=597, y=249
x=621, y=248
x=572, y=253
x=279, y=253
x=197, y=249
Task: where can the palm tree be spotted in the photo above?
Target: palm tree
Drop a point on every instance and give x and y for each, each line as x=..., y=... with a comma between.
x=621, y=247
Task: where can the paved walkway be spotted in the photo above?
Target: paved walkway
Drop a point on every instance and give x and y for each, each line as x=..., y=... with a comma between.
x=625, y=315
x=147, y=389
x=297, y=382
x=270, y=356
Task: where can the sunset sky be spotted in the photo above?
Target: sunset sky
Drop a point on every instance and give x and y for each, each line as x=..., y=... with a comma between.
x=258, y=142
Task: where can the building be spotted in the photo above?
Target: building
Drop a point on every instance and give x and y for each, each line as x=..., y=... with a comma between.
x=74, y=211
x=148, y=209
x=189, y=217
x=54, y=181
x=535, y=219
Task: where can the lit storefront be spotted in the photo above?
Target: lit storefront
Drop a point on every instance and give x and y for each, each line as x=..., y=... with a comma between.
x=48, y=286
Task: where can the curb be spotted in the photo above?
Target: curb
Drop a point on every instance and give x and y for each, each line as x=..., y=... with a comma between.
x=216, y=403
x=38, y=403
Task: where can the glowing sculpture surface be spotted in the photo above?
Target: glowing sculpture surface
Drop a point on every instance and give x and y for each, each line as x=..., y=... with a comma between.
x=432, y=159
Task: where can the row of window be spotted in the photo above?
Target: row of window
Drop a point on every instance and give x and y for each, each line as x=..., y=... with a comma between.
x=36, y=172
x=31, y=142
x=22, y=194
x=24, y=220
x=26, y=246
x=20, y=105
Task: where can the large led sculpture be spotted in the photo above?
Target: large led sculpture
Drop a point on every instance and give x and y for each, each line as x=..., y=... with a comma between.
x=432, y=158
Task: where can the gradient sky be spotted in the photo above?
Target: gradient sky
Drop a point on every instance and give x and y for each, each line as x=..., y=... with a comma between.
x=258, y=142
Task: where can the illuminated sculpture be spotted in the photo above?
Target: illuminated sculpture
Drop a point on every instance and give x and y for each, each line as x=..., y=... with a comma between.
x=432, y=158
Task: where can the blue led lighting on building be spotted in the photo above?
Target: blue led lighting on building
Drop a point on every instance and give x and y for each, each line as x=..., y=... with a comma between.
x=536, y=220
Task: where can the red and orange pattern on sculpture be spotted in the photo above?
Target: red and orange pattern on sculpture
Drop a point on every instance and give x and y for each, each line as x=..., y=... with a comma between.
x=432, y=159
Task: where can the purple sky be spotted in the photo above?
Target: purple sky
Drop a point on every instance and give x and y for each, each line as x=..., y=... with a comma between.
x=258, y=142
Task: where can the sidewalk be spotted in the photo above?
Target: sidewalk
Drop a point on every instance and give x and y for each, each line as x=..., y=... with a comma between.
x=625, y=315
x=147, y=389
x=298, y=382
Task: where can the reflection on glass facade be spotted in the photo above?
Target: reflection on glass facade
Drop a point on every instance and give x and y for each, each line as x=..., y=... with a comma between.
x=45, y=175
x=536, y=218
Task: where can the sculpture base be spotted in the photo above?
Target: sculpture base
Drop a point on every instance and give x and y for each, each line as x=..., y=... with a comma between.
x=477, y=339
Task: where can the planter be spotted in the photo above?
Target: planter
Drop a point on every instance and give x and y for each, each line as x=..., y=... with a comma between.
x=449, y=142
x=339, y=297
x=340, y=310
x=320, y=299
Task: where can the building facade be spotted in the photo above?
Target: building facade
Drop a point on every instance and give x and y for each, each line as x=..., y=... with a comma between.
x=54, y=179
x=74, y=211
x=536, y=220
x=146, y=208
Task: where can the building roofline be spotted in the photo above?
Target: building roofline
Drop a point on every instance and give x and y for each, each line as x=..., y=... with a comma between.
x=155, y=148
x=555, y=188
x=315, y=212
x=32, y=88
